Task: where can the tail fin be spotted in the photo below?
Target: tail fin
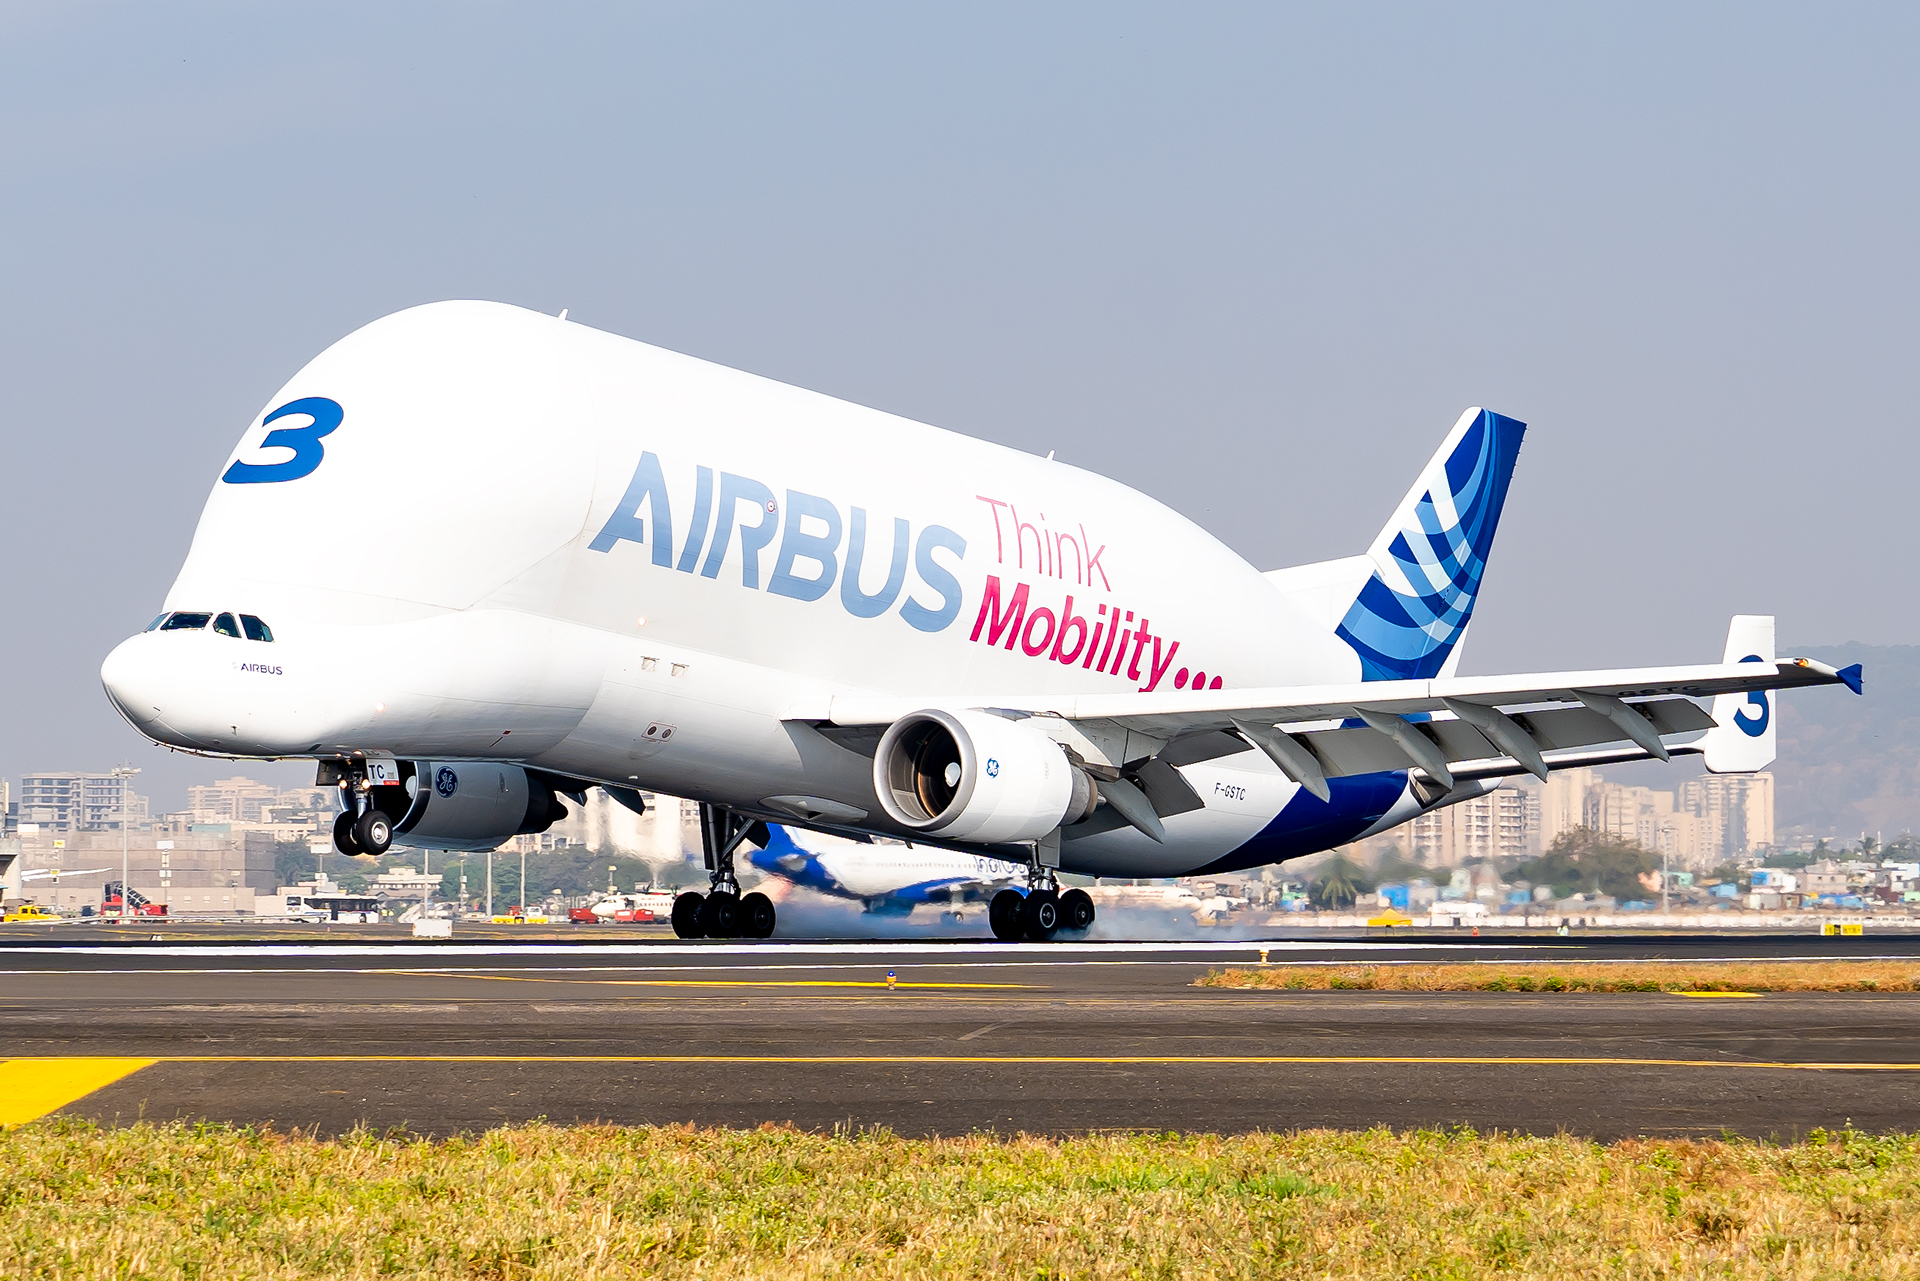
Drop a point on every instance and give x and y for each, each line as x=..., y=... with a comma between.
x=1742, y=739
x=1412, y=610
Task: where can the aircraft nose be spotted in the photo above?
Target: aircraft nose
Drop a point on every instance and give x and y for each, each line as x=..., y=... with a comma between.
x=136, y=681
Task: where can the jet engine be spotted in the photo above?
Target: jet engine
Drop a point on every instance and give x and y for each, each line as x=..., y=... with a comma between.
x=459, y=805
x=975, y=776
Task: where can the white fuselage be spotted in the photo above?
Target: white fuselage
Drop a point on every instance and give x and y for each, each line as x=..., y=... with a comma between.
x=528, y=541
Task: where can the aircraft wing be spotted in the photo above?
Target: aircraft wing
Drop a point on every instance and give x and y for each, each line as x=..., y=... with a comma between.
x=1315, y=733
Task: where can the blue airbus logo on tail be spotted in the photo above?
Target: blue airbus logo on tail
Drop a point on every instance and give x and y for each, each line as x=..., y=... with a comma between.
x=1411, y=612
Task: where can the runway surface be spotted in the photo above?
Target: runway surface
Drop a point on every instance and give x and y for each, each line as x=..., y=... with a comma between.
x=440, y=1038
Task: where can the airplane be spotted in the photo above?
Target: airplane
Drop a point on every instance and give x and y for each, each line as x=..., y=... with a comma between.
x=885, y=879
x=472, y=559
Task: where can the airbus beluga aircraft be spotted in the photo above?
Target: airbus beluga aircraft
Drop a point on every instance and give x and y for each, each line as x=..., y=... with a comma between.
x=472, y=559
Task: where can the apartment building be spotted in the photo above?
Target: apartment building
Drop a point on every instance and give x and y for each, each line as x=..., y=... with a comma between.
x=65, y=803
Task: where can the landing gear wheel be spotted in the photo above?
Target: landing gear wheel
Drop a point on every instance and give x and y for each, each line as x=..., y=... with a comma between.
x=1041, y=915
x=373, y=833
x=1003, y=916
x=1076, y=910
x=720, y=916
x=756, y=916
x=686, y=915
x=343, y=834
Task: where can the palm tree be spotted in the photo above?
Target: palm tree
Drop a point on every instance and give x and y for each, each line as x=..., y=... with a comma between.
x=1339, y=882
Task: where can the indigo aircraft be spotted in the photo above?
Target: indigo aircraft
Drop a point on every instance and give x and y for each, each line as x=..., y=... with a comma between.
x=473, y=559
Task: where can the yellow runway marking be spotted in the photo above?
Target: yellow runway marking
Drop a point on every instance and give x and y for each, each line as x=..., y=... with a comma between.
x=880, y=983
x=1004, y=1060
x=31, y=1088
x=1708, y=995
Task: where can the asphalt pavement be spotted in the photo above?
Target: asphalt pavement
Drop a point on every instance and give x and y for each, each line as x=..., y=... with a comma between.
x=930, y=1038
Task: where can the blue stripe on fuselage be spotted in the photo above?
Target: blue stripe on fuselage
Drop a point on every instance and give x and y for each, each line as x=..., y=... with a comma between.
x=1308, y=824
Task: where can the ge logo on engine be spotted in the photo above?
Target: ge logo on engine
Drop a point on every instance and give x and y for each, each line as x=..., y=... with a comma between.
x=446, y=782
x=993, y=767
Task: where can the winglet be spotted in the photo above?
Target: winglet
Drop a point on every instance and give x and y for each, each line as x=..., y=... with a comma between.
x=1850, y=677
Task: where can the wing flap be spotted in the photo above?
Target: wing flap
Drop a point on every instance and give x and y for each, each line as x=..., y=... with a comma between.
x=1167, y=716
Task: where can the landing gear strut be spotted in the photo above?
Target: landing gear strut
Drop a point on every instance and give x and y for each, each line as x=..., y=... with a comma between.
x=1043, y=911
x=721, y=912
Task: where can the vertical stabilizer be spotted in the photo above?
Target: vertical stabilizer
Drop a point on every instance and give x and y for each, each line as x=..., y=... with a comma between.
x=1412, y=610
x=1742, y=739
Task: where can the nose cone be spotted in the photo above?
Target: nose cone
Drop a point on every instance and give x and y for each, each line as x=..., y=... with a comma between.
x=137, y=682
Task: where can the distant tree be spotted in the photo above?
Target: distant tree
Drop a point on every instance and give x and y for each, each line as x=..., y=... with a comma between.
x=1393, y=867
x=1725, y=872
x=293, y=862
x=1340, y=882
x=1583, y=861
x=1791, y=860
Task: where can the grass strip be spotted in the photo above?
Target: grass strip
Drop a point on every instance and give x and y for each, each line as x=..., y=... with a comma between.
x=601, y=1201
x=1625, y=976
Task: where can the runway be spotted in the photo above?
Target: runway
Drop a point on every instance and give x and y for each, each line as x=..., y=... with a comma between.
x=441, y=1038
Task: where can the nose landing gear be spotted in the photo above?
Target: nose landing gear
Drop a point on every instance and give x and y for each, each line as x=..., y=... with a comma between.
x=362, y=827
x=722, y=912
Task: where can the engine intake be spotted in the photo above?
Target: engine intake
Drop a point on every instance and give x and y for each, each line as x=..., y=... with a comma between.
x=975, y=776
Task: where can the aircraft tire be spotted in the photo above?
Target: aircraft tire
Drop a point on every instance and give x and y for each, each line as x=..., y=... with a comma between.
x=343, y=834
x=757, y=916
x=1003, y=916
x=373, y=833
x=1041, y=915
x=686, y=915
x=720, y=916
x=1076, y=910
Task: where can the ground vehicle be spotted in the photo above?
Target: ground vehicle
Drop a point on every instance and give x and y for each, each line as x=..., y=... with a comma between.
x=30, y=912
x=626, y=909
x=110, y=907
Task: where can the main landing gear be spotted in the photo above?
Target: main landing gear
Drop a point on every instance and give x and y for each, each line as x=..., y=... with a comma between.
x=1043, y=911
x=722, y=913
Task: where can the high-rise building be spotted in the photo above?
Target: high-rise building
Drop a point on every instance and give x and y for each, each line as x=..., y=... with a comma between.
x=60, y=802
x=1737, y=808
x=1708, y=821
x=232, y=800
x=1500, y=824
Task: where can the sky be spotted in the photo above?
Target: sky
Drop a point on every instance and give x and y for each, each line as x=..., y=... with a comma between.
x=1251, y=259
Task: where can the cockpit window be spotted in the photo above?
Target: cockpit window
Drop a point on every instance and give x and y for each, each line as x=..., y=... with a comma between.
x=157, y=620
x=184, y=622
x=226, y=626
x=256, y=630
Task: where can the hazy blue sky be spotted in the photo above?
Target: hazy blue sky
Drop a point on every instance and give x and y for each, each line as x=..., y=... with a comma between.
x=1253, y=260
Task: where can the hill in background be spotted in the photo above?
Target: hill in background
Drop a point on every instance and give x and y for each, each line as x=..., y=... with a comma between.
x=1850, y=765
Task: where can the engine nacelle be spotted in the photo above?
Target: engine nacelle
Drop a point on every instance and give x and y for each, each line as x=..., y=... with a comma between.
x=460, y=805
x=974, y=776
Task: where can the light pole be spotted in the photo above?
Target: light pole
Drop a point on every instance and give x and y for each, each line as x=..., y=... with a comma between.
x=1666, y=848
x=124, y=773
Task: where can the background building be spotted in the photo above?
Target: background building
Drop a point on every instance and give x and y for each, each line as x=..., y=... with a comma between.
x=65, y=803
x=1501, y=824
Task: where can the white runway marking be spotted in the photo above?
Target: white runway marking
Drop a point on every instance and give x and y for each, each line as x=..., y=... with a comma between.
x=1249, y=947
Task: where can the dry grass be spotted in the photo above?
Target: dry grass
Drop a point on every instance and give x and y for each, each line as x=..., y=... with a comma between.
x=1627, y=976
x=590, y=1202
